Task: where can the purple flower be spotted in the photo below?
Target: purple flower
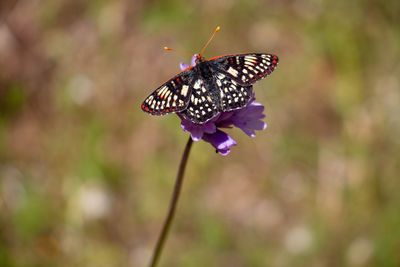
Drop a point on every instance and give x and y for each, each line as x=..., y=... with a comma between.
x=248, y=119
x=192, y=63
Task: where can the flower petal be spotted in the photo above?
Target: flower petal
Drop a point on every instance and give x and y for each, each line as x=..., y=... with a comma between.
x=193, y=60
x=198, y=130
x=183, y=66
x=221, y=141
x=256, y=125
x=249, y=132
x=252, y=110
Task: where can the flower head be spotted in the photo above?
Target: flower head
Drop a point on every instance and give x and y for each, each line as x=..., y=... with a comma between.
x=248, y=119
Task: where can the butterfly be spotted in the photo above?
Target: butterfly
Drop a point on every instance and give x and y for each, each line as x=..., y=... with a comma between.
x=201, y=92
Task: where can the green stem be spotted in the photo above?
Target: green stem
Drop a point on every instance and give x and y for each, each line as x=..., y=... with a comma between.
x=172, y=206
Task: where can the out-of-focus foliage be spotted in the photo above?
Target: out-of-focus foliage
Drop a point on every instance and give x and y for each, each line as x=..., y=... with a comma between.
x=85, y=176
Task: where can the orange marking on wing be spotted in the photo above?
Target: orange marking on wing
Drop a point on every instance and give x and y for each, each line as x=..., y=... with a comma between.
x=213, y=58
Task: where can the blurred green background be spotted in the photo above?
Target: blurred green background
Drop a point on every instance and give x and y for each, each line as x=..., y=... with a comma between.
x=86, y=176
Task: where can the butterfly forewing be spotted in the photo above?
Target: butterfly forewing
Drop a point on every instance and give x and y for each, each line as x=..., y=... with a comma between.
x=210, y=87
x=246, y=69
x=203, y=105
x=232, y=94
x=172, y=96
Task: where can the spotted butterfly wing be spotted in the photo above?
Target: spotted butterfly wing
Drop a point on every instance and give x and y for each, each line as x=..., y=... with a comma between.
x=203, y=104
x=172, y=96
x=246, y=69
x=232, y=94
x=211, y=86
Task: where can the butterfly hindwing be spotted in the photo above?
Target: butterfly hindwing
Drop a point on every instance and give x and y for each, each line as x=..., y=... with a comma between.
x=203, y=105
x=232, y=94
x=246, y=69
x=172, y=96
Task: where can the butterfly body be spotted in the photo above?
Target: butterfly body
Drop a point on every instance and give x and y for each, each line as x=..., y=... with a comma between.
x=202, y=91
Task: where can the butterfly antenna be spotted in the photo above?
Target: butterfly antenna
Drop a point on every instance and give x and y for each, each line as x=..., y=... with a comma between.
x=167, y=49
x=209, y=40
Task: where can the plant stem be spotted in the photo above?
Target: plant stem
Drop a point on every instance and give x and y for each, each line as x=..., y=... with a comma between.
x=172, y=206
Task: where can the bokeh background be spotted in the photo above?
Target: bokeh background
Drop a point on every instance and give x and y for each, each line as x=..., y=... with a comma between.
x=86, y=176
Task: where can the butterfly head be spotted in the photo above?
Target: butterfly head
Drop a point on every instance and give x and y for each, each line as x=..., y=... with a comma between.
x=199, y=58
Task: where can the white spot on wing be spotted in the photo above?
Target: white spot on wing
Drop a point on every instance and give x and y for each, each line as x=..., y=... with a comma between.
x=184, y=91
x=232, y=71
x=162, y=90
x=197, y=84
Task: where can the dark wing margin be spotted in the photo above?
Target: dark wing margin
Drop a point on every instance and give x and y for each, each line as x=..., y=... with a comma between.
x=246, y=69
x=172, y=96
